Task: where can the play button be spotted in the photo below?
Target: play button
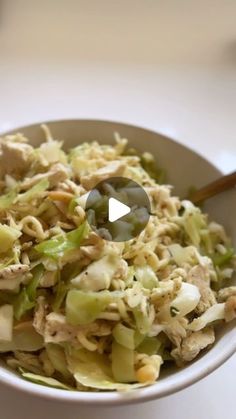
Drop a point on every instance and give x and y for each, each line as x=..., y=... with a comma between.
x=118, y=209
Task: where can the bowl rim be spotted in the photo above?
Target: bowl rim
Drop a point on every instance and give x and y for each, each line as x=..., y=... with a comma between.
x=115, y=398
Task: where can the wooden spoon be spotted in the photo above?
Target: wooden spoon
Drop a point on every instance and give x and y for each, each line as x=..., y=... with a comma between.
x=214, y=188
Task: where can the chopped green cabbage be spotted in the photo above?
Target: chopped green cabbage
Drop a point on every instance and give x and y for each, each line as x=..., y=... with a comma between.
x=222, y=259
x=8, y=235
x=34, y=192
x=215, y=312
x=98, y=274
x=142, y=321
x=45, y=381
x=149, y=164
x=24, y=338
x=59, y=245
x=193, y=222
x=7, y=200
x=6, y=322
x=182, y=255
x=26, y=299
x=84, y=307
x=51, y=152
x=146, y=276
x=60, y=295
x=92, y=370
x=186, y=301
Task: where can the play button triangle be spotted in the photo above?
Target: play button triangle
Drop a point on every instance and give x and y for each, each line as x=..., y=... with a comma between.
x=116, y=210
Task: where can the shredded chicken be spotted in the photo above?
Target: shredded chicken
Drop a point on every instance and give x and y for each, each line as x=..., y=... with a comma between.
x=58, y=330
x=198, y=276
x=13, y=271
x=176, y=331
x=114, y=168
x=40, y=315
x=15, y=158
x=192, y=344
x=57, y=173
x=230, y=308
x=28, y=361
x=225, y=293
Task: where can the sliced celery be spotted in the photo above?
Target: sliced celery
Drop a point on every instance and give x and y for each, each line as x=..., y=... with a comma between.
x=149, y=346
x=57, y=357
x=124, y=336
x=7, y=200
x=122, y=363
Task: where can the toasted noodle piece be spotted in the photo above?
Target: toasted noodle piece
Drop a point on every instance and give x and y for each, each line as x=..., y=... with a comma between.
x=114, y=168
x=83, y=340
x=63, y=209
x=14, y=271
x=199, y=276
x=94, y=239
x=15, y=158
x=60, y=196
x=93, y=252
x=230, y=308
x=225, y=293
x=33, y=227
x=26, y=245
x=80, y=215
x=40, y=315
x=57, y=173
x=25, y=258
x=192, y=344
x=77, y=190
x=65, y=226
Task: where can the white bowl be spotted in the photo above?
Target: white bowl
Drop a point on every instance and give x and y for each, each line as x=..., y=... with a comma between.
x=184, y=168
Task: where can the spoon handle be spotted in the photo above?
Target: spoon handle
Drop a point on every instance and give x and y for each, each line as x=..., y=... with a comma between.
x=214, y=188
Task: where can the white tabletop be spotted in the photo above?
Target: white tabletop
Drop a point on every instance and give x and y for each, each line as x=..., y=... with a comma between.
x=166, y=65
